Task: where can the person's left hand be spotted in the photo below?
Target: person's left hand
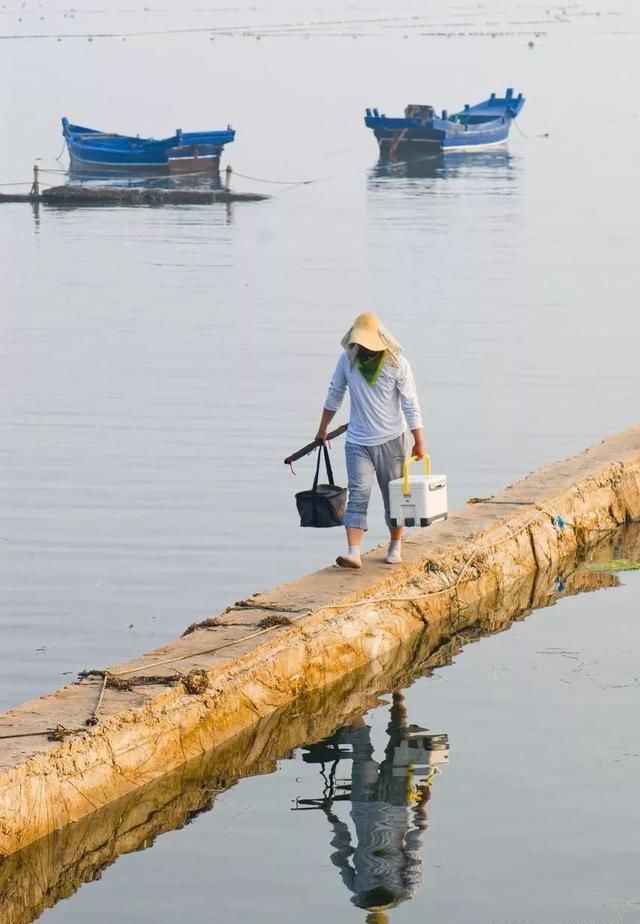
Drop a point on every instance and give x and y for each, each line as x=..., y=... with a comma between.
x=418, y=450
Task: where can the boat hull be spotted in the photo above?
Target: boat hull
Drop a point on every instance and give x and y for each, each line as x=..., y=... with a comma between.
x=207, y=164
x=411, y=147
x=194, y=165
x=89, y=165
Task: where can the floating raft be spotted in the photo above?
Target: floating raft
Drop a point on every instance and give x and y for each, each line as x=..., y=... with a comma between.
x=122, y=195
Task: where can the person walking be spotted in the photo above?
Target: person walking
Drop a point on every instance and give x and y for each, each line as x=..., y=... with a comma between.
x=384, y=404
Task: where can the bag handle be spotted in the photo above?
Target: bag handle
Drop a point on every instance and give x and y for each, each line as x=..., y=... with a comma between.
x=327, y=462
x=405, y=471
x=316, y=443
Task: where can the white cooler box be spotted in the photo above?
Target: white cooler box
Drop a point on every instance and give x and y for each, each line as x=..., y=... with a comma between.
x=418, y=500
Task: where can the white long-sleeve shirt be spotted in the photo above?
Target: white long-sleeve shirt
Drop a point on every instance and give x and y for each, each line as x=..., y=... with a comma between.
x=378, y=412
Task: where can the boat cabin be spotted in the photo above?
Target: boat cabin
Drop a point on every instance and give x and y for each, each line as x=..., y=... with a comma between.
x=418, y=111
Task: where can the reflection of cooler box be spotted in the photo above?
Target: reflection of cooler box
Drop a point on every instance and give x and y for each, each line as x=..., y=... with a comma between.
x=418, y=500
x=421, y=751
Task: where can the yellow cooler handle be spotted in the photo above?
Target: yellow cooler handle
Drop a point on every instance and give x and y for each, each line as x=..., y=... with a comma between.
x=405, y=471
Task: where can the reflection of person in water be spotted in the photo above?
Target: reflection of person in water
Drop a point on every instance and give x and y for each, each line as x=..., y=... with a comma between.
x=388, y=808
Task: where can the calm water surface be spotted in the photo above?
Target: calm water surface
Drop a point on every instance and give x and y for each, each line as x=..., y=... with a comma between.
x=156, y=365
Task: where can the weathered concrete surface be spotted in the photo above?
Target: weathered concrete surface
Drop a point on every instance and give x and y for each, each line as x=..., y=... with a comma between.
x=55, y=866
x=340, y=621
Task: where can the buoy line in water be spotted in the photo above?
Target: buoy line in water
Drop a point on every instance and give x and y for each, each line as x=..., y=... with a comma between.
x=244, y=176
x=331, y=28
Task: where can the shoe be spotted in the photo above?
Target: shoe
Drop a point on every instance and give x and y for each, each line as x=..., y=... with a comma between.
x=393, y=558
x=346, y=561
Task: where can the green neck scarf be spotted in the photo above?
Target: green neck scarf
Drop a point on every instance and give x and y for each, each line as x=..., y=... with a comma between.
x=371, y=366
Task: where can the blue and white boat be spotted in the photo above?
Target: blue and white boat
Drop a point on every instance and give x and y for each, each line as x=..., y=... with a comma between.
x=184, y=152
x=421, y=132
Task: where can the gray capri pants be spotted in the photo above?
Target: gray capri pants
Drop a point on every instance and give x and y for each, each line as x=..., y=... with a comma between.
x=363, y=462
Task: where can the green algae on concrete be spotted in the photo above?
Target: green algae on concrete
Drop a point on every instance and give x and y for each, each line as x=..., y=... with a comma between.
x=616, y=564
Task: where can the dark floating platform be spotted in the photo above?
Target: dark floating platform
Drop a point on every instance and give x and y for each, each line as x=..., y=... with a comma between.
x=111, y=195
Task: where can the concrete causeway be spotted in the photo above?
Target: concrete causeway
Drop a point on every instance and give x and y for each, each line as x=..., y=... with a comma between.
x=74, y=751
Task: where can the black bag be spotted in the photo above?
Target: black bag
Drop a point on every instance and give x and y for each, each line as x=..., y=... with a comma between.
x=324, y=504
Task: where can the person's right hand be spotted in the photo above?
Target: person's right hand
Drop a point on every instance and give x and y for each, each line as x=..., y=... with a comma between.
x=321, y=436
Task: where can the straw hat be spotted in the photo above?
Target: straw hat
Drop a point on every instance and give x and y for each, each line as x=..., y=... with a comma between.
x=366, y=333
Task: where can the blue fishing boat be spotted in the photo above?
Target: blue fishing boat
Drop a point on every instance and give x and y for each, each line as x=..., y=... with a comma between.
x=184, y=152
x=421, y=132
